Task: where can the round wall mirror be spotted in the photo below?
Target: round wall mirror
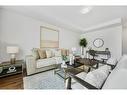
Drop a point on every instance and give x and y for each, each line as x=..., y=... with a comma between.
x=98, y=42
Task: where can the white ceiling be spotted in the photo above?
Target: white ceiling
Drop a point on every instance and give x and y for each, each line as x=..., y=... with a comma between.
x=70, y=17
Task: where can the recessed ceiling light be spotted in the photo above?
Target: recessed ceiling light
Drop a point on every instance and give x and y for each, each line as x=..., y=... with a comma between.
x=85, y=10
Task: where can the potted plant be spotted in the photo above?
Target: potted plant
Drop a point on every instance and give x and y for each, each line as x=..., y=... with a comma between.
x=83, y=44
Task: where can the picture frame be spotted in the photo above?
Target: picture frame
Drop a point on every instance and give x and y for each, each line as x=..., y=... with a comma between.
x=49, y=37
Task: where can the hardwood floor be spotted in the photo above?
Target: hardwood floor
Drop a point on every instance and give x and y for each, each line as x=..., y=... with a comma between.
x=12, y=82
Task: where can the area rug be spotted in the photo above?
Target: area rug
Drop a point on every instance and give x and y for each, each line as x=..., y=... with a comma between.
x=44, y=80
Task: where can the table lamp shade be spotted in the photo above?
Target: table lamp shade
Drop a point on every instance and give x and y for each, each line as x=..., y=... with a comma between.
x=12, y=49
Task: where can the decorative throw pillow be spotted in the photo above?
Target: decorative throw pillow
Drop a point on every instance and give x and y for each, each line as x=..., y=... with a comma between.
x=42, y=53
x=53, y=52
x=98, y=76
x=68, y=52
x=57, y=53
x=63, y=52
x=48, y=53
x=35, y=53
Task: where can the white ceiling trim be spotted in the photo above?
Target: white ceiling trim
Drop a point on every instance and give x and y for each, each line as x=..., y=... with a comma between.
x=112, y=23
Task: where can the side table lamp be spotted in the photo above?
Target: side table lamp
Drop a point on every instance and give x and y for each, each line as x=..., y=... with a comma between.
x=12, y=50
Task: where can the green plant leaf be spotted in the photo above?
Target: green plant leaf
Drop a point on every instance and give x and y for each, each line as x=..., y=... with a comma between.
x=83, y=42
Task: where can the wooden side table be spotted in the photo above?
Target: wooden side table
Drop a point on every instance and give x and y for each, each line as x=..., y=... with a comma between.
x=6, y=66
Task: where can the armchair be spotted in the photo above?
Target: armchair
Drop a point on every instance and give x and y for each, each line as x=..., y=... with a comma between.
x=114, y=80
x=93, y=80
x=79, y=80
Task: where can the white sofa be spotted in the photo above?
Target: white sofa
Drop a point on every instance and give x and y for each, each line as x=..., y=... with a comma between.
x=34, y=66
x=115, y=79
x=44, y=59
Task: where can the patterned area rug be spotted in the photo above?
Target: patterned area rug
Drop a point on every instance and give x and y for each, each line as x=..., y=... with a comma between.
x=44, y=80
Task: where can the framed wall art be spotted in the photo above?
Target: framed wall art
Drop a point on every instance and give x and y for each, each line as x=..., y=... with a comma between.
x=49, y=38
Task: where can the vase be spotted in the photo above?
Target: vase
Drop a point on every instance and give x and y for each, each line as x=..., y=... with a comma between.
x=63, y=65
x=71, y=60
x=83, y=52
x=63, y=62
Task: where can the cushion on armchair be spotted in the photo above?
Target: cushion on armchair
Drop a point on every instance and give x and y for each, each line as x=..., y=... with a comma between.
x=98, y=76
x=95, y=78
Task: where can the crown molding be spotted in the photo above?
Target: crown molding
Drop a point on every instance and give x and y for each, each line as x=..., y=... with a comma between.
x=108, y=24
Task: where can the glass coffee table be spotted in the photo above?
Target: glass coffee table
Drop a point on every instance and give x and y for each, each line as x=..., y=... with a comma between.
x=74, y=69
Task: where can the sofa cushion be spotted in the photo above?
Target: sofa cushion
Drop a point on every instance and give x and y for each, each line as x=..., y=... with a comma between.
x=35, y=53
x=116, y=80
x=98, y=76
x=48, y=53
x=45, y=62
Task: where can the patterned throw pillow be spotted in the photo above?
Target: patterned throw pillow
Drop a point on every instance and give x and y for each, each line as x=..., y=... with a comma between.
x=35, y=53
x=42, y=53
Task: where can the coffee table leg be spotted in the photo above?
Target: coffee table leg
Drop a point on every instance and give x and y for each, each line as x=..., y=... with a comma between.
x=65, y=78
x=83, y=67
x=89, y=69
x=69, y=83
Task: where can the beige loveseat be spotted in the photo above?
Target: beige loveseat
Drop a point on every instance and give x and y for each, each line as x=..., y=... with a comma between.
x=35, y=64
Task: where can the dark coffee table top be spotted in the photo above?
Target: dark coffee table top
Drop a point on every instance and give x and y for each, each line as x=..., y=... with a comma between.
x=87, y=62
x=75, y=65
x=72, y=70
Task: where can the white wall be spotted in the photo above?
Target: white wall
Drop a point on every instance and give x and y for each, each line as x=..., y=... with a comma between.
x=124, y=35
x=112, y=37
x=124, y=40
x=23, y=31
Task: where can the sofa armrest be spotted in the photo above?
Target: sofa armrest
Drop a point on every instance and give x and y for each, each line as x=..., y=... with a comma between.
x=79, y=80
x=30, y=64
